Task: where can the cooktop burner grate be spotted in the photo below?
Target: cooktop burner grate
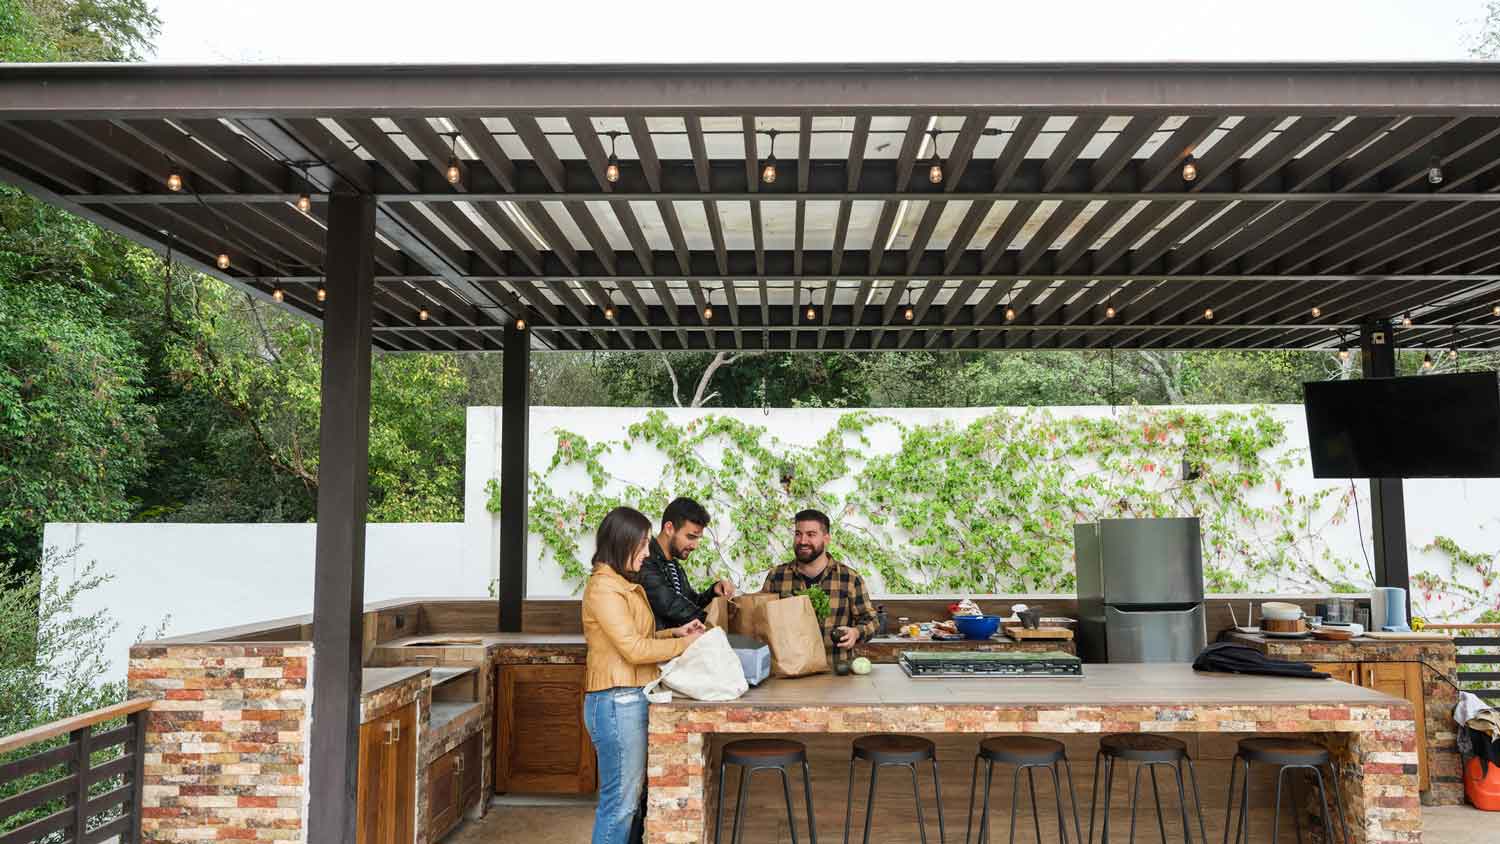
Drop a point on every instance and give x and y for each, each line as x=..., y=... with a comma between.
x=990, y=664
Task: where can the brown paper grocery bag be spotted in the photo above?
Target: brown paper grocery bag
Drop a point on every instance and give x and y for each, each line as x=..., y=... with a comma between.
x=795, y=637
x=717, y=613
x=743, y=617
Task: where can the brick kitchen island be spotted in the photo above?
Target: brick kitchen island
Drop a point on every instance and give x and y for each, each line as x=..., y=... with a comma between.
x=1371, y=734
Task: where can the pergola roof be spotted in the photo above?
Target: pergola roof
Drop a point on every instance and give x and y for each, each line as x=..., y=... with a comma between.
x=1062, y=195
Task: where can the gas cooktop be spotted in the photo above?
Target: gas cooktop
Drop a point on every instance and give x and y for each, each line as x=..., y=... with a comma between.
x=990, y=664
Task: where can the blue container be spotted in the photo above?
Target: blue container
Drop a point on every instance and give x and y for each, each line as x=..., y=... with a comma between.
x=977, y=626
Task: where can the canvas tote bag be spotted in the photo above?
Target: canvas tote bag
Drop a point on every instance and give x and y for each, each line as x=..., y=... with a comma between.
x=791, y=629
x=708, y=670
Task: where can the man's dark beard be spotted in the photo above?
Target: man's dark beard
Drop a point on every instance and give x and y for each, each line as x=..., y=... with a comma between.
x=677, y=553
x=806, y=554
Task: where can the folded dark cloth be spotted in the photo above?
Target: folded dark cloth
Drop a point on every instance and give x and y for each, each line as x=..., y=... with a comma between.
x=1233, y=658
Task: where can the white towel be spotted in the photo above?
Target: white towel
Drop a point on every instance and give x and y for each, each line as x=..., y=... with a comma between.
x=1469, y=706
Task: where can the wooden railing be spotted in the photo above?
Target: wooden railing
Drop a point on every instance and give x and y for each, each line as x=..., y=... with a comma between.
x=82, y=791
x=1478, y=656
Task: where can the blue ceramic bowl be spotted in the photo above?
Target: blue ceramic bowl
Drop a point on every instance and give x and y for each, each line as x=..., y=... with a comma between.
x=977, y=626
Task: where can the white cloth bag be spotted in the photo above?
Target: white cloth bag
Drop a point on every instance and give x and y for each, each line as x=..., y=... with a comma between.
x=708, y=670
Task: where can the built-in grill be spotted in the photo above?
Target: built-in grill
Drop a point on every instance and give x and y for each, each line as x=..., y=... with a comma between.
x=990, y=664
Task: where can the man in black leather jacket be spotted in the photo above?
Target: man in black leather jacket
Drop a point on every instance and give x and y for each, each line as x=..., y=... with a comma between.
x=672, y=597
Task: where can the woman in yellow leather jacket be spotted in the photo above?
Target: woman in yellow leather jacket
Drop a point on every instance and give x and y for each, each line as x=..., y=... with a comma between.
x=624, y=648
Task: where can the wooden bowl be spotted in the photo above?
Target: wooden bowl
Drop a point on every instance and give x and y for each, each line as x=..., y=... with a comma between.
x=1277, y=625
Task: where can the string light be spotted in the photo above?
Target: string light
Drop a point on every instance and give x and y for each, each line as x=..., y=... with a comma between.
x=1343, y=354
x=609, y=306
x=1208, y=313
x=1316, y=312
x=768, y=169
x=223, y=261
x=909, y=314
x=423, y=315
x=708, y=307
x=811, y=313
x=1190, y=169
x=1435, y=171
x=1010, y=313
x=935, y=172
x=1109, y=307
x=1427, y=360
x=1495, y=311
x=1406, y=320
x=278, y=294
x=304, y=203
x=322, y=294
x=612, y=169
x=453, y=173
x=520, y=323
x=174, y=181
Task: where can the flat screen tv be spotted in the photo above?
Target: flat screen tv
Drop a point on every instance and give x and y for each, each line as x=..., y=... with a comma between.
x=1429, y=426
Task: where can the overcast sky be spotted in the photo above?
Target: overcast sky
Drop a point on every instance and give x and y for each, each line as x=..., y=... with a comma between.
x=813, y=30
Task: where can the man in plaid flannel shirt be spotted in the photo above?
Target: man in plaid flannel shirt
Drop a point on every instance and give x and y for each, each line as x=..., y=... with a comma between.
x=849, y=604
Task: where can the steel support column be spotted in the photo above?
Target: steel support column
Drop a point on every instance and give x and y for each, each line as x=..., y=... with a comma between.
x=514, y=426
x=1377, y=347
x=343, y=481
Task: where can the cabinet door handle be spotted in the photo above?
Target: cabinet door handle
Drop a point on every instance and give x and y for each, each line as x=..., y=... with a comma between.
x=397, y=726
x=1369, y=677
x=388, y=726
x=458, y=763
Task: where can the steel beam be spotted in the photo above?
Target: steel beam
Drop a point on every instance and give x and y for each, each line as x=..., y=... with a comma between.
x=514, y=436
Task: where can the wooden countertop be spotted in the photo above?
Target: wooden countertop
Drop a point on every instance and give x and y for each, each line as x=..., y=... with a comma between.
x=1170, y=684
x=459, y=640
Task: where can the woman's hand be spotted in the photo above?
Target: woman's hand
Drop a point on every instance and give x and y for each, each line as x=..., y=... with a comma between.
x=693, y=629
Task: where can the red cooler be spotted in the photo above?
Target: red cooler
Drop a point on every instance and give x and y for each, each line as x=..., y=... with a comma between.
x=1483, y=789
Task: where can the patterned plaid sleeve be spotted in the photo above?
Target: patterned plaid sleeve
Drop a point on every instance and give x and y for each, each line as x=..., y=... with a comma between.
x=861, y=610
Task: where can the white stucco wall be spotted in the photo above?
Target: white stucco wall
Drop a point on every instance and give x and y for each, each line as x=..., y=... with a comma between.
x=198, y=577
x=203, y=576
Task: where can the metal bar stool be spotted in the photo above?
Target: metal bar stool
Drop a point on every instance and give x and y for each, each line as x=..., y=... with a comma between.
x=1026, y=753
x=899, y=751
x=1287, y=755
x=1148, y=751
x=752, y=755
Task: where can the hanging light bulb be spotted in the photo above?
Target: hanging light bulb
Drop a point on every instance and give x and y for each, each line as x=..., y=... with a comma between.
x=1190, y=169
x=174, y=181
x=1316, y=312
x=1109, y=311
x=1208, y=313
x=278, y=294
x=612, y=170
x=1427, y=360
x=768, y=170
x=909, y=314
x=520, y=323
x=811, y=313
x=1435, y=171
x=304, y=203
x=708, y=312
x=1495, y=311
x=223, y=261
x=453, y=173
x=1453, y=353
x=1343, y=354
x=1010, y=313
x=1406, y=320
x=935, y=172
x=423, y=315
x=609, y=309
x=322, y=294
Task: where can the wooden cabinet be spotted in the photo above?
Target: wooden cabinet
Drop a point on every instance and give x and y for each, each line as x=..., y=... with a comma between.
x=541, y=744
x=452, y=787
x=1398, y=679
x=388, y=778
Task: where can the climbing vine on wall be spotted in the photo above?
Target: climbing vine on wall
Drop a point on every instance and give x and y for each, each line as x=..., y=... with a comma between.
x=986, y=506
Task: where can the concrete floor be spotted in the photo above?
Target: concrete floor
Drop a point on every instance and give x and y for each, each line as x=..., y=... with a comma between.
x=565, y=821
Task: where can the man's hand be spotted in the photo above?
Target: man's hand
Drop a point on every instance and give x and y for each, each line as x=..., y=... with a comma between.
x=724, y=589
x=692, y=629
x=850, y=638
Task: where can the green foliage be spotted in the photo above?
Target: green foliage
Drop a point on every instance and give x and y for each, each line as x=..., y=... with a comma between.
x=50, y=661
x=983, y=507
x=819, y=600
x=1447, y=594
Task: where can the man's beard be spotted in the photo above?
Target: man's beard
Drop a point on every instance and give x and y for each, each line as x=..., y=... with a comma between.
x=807, y=553
x=678, y=553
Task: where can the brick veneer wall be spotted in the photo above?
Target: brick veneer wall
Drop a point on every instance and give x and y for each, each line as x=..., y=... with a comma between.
x=1374, y=745
x=1439, y=661
x=225, y=755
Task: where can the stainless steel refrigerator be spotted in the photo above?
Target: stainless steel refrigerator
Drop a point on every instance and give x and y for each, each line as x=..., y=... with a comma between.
x=1140, y=590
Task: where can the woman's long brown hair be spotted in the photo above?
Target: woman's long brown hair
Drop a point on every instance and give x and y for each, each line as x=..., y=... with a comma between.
x=619, y=536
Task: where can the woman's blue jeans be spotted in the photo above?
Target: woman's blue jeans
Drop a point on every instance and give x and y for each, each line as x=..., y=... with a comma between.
x=616, y=721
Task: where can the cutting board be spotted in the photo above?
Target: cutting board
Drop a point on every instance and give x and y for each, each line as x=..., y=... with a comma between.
x=1406, y=637
x=1022, y=634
